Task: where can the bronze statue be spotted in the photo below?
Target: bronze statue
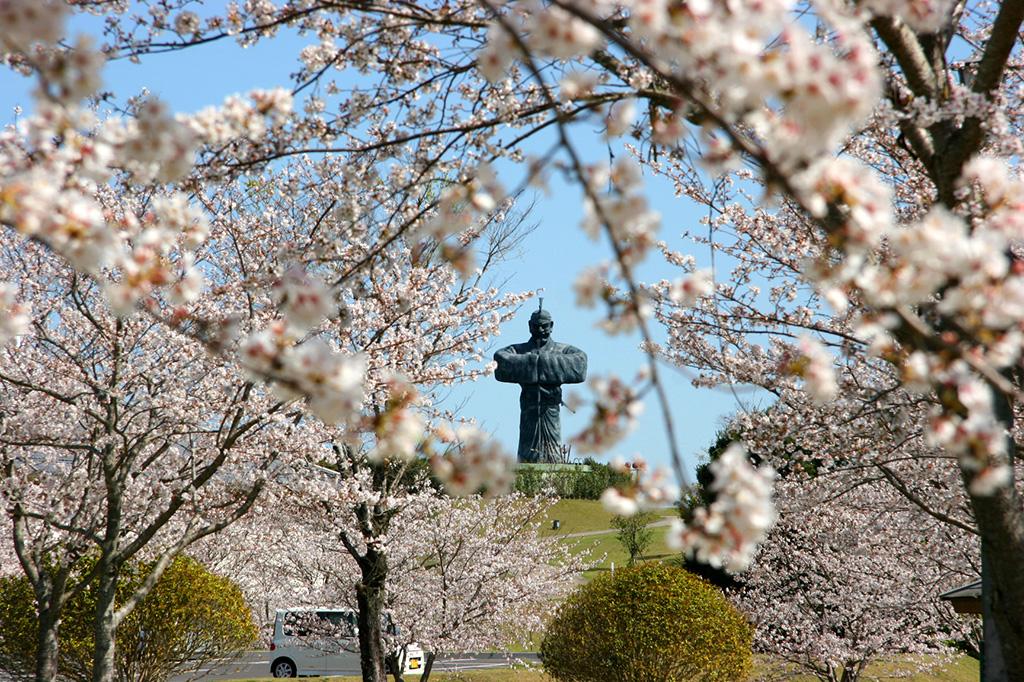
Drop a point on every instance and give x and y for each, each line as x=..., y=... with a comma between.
x=540, y=366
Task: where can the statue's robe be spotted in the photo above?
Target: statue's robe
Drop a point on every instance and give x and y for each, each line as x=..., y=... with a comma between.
x=540, y=371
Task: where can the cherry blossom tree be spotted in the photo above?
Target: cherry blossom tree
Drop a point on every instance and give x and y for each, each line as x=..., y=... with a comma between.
x=351, y=505
x=422, y=319
x=833, y=592
x=483, y=577
x=879, y=139
x=419, y=326
x=460, y=574
x=117, y=443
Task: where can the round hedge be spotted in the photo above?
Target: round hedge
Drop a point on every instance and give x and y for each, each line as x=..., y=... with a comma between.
x=649, y=622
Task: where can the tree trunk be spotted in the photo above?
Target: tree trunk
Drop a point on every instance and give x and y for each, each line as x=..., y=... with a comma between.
x=992, y=666
x=47, y=647
x=1000, y=522
x=1000, y=527
x=396, y=661
x=49, y=591
x=370, y=600
x=103, y=659
x=851, y=672
x=427, y=666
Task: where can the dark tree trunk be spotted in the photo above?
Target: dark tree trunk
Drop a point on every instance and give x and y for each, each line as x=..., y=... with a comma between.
x=103, y=661
x=47, y=647
x=370, y=600
x=851, y=672
x=396, y=664
x=1000, y=522
x=1000, y=525
x=49, y=585
x=992, y=665
x=427, y=666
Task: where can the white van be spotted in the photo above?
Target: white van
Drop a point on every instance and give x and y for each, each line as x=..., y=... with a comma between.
x=312, y=641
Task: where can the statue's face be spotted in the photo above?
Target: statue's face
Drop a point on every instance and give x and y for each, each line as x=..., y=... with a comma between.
x=541, y=329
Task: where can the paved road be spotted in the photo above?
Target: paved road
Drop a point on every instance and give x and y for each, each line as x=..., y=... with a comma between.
x=256, y=664
x=609, y=531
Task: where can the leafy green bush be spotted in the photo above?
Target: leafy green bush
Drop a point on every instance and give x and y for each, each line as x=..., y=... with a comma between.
x=651, y=622
x=190, y=616
x=17, y=627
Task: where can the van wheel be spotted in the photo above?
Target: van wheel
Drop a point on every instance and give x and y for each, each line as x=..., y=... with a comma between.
x=283, y=667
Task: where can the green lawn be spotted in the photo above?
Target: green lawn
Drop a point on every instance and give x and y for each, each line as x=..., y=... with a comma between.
x=581, y=516
x=588, y=516
x=608, y=544
x=962, y=669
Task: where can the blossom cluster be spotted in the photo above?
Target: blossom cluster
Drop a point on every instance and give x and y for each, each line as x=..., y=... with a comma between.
x=616, y=408
x=727, y=533
x=248, y=118
x=52, y=191
x=303, y=299
x=623, y=313
x=631, y=223
x=397, y=427
x=460, y=208
x=331, y=381
x=960, y=266
x=24, y=23
x=924, y=16
x=646, y=489
x=814, y=364
x=156, y=146
x=966, y=425
x=800, y=96
x=14, y=316
x=686, y=291
x=475, y=463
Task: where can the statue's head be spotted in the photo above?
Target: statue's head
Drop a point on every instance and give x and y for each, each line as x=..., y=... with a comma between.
x=541, y=325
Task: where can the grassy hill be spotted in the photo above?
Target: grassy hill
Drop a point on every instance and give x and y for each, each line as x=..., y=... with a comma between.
x=588, y=516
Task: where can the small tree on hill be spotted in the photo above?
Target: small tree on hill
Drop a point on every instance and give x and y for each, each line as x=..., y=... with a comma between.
x=634, y=534
x=649, y=622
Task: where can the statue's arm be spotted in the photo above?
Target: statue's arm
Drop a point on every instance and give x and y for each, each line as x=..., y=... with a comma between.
x=567, y=367
x=515, y=368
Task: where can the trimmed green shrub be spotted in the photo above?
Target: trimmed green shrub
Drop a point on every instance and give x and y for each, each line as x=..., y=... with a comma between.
x=652, y=622
x=190, y=616
x=17, y=627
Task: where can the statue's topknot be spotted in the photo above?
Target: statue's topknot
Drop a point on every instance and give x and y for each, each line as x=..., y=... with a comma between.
x=540, y=315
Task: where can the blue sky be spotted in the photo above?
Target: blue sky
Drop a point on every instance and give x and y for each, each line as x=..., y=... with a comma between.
x=550, y=257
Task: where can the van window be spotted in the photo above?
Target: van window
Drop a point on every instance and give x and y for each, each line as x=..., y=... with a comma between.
x=319, y=624
x=342, y=623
